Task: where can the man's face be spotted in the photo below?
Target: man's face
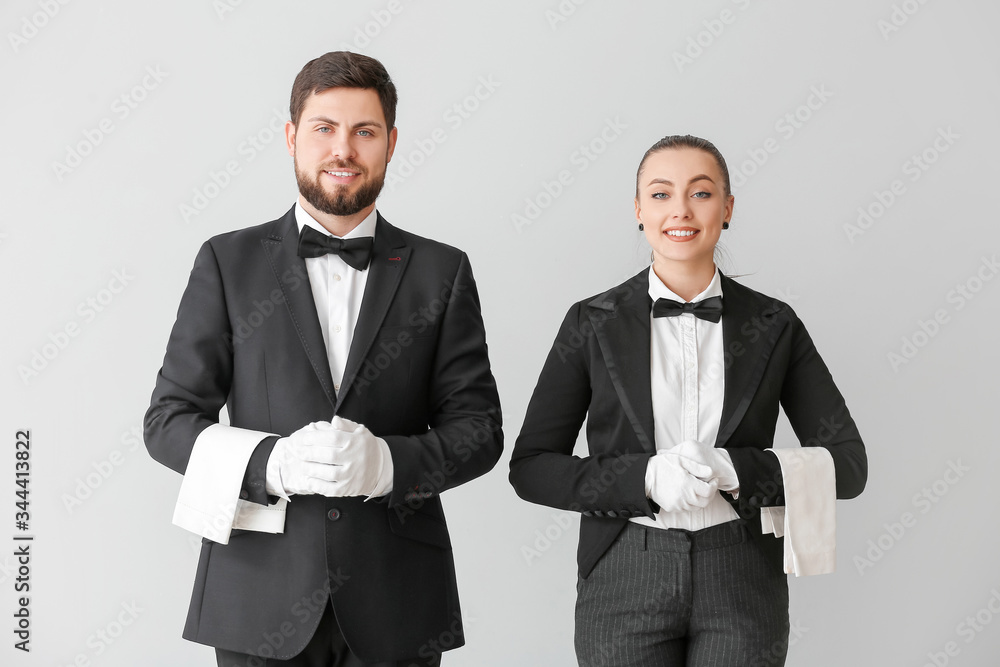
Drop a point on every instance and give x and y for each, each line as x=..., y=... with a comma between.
x=341, y=147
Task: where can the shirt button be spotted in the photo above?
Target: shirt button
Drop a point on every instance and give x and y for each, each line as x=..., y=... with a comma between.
x=337, y=328
x=333, y=514
x=336, y=386
x=336, y=276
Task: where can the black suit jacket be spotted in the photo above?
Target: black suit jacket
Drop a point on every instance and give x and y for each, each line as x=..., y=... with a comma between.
x=247, y=336
x=599, y=368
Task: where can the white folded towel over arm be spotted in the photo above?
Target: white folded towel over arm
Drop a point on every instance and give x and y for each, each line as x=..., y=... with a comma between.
x=808, y=520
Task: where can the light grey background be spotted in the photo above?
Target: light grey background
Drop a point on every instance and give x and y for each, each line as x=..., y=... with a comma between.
x=901, y=594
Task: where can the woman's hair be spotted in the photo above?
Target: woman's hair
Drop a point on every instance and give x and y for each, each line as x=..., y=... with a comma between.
x=685, y=141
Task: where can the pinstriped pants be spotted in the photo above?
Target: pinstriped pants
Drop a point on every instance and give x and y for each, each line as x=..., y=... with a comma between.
x=676, y=598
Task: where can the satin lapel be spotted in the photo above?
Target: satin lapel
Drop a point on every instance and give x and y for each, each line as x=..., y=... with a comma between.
x=281, y=249
x=750, y=328
x=621, y=324
x=390, y=255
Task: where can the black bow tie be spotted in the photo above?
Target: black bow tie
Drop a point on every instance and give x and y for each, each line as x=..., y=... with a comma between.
x=356, y=253
x=707, y=309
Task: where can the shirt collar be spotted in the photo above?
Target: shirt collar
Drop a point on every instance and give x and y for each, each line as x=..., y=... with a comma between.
x=658, y=290
x=366, y=228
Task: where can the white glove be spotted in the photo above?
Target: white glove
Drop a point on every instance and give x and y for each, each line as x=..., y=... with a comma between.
x=341, y=458
x=362, y=463
x=716, y=458
x=676, y=483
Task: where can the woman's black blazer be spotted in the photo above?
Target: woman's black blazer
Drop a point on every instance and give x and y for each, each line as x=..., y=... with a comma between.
x=599, y=369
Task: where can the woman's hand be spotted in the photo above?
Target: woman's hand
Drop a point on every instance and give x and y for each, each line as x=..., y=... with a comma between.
x=677, y=483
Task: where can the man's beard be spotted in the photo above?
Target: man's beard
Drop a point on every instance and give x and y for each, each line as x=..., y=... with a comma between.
x=341, y=202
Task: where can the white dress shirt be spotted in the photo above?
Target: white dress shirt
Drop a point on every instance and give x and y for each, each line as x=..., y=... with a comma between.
x=687, y=385
x=337, y=290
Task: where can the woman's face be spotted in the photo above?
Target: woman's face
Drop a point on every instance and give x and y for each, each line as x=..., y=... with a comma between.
x=681, y=204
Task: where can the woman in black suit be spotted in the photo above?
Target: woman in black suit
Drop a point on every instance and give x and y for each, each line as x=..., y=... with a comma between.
x=679, y=372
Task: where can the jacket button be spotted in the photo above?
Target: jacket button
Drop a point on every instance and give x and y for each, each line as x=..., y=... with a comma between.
x=587, y=513
x=244, y=495
x=611, y=514
x=333, y=514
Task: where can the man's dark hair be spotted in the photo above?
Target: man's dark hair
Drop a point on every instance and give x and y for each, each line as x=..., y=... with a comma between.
x=347, y=70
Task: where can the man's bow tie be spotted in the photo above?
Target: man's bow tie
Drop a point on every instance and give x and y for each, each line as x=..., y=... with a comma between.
x=356, y=253
x=707, y=309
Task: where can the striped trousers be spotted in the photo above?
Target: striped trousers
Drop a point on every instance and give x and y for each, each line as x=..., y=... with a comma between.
x=676, y=598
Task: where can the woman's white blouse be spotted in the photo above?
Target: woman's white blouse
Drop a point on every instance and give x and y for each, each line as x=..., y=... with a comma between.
x=687, y=383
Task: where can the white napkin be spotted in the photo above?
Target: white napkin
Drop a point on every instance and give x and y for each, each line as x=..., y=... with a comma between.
x=808, y=521
x=209, y=500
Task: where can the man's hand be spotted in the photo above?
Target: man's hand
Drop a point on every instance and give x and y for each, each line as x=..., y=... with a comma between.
x=715, y=458
x=362, y=463
x=679, y=484
x=339, y=458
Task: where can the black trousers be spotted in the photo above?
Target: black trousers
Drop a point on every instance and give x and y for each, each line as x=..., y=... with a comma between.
x=327, y=648
x=676, y=598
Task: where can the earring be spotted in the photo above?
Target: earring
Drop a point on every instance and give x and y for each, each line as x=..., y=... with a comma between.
x=725, y=225
x=640, y=227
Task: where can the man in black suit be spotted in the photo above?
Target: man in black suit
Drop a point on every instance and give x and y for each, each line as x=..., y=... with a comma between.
x=351, y=356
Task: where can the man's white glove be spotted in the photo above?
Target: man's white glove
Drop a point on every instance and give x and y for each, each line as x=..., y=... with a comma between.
x=676, y=483
x=338, y=458
x=716, y=458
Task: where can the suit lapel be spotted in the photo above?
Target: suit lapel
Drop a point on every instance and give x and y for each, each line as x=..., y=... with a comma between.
x=750, y=327
x=281, y=249
x=390, y=255
x=621, y=323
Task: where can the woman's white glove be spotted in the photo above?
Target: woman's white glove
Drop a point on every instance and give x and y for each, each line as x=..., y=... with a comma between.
x=676, y=483
x=716, y=458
